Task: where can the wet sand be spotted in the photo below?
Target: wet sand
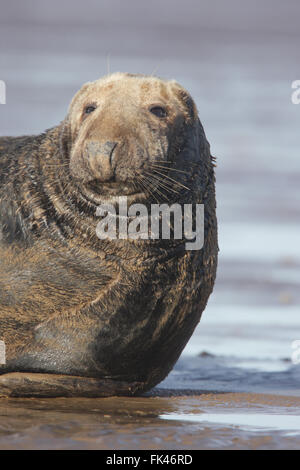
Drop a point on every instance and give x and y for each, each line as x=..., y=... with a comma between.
x=235, y=386
x=205, y=421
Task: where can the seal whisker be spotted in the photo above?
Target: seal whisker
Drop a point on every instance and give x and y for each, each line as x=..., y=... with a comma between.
x=163, y=183
x=169, y=169
x=149, y=186
x=173, y=163
x=154, y=71
x=159, y=181
x=172, y=179
x=159, y=188
x=153, y=184
x=140, y=181
x=143, y=183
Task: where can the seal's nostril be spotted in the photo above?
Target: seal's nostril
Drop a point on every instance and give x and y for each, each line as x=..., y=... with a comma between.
x=101, y=158
x=100, y=149
x=112, y=146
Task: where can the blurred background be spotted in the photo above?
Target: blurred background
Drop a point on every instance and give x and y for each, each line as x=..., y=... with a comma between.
x=238, y=59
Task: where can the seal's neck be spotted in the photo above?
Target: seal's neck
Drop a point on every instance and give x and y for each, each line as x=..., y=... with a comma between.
x=50, y=205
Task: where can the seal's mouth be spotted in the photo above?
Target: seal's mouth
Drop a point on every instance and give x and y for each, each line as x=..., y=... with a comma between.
x=113, y=188
x=109, y=192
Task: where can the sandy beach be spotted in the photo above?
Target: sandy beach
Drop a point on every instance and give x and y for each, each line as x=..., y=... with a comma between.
x=206, y=421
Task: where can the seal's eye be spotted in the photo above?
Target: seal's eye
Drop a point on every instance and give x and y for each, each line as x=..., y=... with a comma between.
x=89, y=109
x=159, y=111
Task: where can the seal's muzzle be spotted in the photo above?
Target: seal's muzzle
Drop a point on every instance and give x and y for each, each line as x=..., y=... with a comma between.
x=101, y=158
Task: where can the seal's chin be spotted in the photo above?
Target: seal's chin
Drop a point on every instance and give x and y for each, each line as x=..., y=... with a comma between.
x=98, y=192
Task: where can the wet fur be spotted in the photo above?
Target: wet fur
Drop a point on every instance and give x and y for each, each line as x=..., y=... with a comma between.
x=119, y=311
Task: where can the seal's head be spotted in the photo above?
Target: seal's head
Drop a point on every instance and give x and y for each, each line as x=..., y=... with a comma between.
x=124, y=131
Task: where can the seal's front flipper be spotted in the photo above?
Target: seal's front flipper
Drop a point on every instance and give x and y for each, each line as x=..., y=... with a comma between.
x=23, y=384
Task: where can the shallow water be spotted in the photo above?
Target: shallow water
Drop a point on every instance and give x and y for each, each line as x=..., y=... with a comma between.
x=235, y=385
